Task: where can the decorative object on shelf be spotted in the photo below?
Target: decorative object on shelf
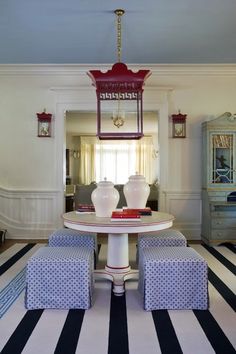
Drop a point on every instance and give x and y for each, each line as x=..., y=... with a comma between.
x=44, y=124
x=105, y=198
x=136, y=192
x=179, y=125
x=119, y=96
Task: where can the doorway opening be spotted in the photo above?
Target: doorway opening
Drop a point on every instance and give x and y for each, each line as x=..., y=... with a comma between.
x=89, y=160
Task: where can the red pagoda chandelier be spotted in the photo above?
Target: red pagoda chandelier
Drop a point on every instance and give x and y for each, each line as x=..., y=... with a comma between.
x=120, y=97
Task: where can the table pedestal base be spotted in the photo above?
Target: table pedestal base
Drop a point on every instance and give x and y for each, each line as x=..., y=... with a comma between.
x=118, y=277
x=117, y=269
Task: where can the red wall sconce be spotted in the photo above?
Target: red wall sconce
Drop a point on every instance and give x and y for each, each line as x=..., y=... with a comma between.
x=179, y=125
x=44, y=124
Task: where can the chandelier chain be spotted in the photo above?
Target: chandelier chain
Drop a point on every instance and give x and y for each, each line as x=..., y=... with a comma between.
x=119, y=38
x=119, y=13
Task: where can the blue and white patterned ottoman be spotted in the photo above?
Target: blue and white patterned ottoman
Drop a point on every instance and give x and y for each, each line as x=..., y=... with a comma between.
x=167, y=238
x=173, y=278
x=68, y=237
x=60, y=278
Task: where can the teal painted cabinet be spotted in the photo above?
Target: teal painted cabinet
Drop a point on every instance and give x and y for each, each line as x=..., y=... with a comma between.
x=219, y=180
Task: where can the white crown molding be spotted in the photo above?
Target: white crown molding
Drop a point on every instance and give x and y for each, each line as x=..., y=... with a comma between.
x=81, y=69
x=195, y=70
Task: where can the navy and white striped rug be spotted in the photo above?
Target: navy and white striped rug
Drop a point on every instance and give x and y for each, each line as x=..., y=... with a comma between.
x=119, y=325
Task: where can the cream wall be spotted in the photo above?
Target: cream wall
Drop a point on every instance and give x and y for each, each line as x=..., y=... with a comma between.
x=31, y=177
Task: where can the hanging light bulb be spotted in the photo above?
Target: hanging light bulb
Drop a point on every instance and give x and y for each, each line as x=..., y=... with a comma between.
x=118, y=115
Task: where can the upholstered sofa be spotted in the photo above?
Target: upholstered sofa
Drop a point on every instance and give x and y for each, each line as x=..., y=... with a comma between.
x=83, y=195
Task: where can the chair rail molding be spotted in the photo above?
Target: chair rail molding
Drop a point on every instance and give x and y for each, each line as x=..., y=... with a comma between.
x=186, y=207
x=34, y=215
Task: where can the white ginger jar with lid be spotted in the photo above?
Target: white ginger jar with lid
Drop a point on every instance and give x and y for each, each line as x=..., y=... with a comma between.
x=105, y=198
x=136, y=192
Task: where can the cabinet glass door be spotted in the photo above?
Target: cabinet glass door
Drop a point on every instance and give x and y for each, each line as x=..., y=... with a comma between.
x=222, y=158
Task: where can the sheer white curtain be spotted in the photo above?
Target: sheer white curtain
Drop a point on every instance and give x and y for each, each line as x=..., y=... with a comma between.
x=115, y=160
x=144, y=157
x=87, y=155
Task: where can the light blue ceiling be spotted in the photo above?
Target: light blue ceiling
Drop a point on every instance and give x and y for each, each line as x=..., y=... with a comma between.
x=84, y=31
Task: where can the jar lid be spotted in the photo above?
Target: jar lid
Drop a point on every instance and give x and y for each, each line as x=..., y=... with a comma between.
x=105, y=184
x=137, y=177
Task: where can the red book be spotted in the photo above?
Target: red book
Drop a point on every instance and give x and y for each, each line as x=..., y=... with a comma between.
x=85, y=208
x=125, y=215
x=144, y=211
x=128, y=213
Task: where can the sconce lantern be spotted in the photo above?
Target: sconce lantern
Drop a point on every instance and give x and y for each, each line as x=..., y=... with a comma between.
x=44, y=124
x=75, y=154
x=119, y=97
x=179, y=125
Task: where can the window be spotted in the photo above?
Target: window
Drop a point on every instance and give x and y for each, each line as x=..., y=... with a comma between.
x=115, y=160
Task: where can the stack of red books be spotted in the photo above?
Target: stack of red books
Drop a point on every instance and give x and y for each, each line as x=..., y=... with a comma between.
x=85, y=208
x=125, y=215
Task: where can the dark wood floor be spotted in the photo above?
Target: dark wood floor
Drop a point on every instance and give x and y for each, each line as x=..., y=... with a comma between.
x=102, y=239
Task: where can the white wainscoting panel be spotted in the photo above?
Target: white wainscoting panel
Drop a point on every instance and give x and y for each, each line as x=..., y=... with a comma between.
x=30, y=214
x=186, y=208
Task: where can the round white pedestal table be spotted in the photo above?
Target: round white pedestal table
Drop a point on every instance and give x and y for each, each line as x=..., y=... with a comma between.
x=117, y=268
